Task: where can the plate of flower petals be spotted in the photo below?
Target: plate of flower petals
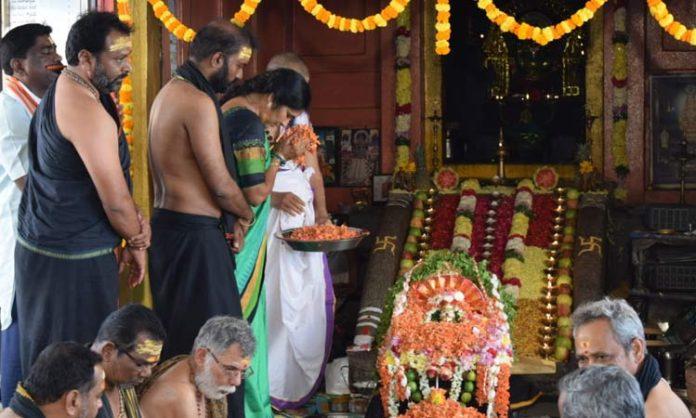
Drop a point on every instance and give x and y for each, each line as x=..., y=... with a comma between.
x=323, y=238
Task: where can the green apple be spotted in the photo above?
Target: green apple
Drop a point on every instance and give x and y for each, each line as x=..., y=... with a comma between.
x=564, y=322
x=418, y=213
x=411, y=375
x=565, y=332
x=416, y=397
x=413, y=386
x=564, y=300
x=411, y=247
x=465, y=397
x=561, y=353
x=565, y=262
x=573, y=194
x=569, y=230
x=468, y=387
x=564, y=342
x=564, y=279
x=471, y=376
x=571, y=214
x=406, y=264
x=416, y=232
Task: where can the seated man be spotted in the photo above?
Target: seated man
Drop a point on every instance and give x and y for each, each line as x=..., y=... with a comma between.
x=196, y=385
x=67, y=380
x=600, y=391
x=610, y=332
x=130, y=342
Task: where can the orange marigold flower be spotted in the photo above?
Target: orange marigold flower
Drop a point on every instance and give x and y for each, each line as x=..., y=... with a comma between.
x=179, y=31
x=481, y=397
x=502, y=395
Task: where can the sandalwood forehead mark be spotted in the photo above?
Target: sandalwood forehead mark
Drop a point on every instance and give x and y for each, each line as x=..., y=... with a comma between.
x=150, y=350
x=245, y=53
x=122, y=42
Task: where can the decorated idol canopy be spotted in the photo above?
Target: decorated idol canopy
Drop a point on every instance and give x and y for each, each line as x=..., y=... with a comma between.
x=446, y=352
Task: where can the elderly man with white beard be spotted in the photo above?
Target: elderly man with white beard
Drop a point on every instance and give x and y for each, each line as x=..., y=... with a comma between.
x=197, y=385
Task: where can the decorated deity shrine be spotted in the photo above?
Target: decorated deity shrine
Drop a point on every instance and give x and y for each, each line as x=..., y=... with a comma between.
x=495, y=165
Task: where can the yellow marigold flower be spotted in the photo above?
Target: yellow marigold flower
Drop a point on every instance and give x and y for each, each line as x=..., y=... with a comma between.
x=437, y=396
x=586, y=167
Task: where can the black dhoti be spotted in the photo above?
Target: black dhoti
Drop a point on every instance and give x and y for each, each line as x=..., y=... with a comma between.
x=61, y=299
x=192, y=280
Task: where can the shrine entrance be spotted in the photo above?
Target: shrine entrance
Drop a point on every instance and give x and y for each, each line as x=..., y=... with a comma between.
x=542, y=101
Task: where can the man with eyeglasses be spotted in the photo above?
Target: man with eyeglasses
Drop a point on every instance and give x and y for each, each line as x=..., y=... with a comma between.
x=197, y=385
x=130, y=343
x=609, y=332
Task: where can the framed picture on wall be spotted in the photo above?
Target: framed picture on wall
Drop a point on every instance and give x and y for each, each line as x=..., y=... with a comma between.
x=672, y=130
x=327, y=154
x=359, y=157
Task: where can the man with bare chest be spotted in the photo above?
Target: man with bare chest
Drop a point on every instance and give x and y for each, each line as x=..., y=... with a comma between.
x=195, y=385
x=192, y=253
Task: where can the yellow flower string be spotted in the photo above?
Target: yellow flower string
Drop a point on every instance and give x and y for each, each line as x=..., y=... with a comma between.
x=443, y=29
x=123, y=9
x=345, y=24
x=544, y=35
x=246, y=10
x=659, y=10
x=125, y=94
x=183, y=32
x=173, y=25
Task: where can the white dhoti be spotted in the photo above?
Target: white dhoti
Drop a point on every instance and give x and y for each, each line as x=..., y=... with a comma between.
x=299, y=297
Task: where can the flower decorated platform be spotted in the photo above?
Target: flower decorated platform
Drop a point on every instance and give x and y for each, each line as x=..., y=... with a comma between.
x=447, y=350
x=525, y=235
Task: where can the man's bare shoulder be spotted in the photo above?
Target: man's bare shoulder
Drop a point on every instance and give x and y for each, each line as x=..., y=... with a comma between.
x=662, y=402
x=167, y=398
x=188, y=94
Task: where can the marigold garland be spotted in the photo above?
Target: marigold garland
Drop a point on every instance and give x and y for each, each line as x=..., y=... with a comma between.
x=544, y=35
x=443, y=29
x=659, y=10
x=346, y=24
x=125, y=94
x=186, y=34
x=619, y=81
x=402, y=125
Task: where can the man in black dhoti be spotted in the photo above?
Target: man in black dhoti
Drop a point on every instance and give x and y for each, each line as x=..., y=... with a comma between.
x=76, y=206
x=67, y=380
x=191, y=258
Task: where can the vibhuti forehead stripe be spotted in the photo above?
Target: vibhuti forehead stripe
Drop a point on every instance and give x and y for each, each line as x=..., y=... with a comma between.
x=122, y=42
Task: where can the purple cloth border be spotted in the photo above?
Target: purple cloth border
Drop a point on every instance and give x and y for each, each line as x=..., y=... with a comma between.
x=329, y=297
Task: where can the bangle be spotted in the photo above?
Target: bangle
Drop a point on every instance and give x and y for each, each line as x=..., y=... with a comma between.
x=248, y=224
